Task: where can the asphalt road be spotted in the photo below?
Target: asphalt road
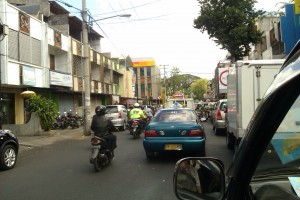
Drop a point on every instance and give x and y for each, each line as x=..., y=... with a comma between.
x=62, y=171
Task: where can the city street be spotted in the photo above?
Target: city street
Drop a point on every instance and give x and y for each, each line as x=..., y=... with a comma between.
x=62, y=171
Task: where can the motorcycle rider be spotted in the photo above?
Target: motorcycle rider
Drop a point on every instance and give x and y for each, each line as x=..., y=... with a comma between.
x=137, y=113
x=149, y=112
x=102, y=127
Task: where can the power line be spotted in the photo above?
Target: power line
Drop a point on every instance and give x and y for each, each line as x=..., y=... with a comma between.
x=145, y=4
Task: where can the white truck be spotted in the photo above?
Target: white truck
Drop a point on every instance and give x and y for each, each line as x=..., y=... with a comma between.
x=247, y=83
x=186, y=102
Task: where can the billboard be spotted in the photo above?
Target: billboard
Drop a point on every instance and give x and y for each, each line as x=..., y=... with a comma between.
x=143, y=63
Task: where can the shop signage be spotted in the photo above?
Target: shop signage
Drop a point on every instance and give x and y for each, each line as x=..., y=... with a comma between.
x=61, y=79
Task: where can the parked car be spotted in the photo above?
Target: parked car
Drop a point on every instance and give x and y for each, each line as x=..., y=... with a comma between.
x=174, y=129
x=118, y=115
x=9, y=147
x=218, y=116
x=266, y=163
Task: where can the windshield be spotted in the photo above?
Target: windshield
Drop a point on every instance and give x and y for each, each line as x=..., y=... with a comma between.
x=283, y=153
x=177, y=115
x=111, y=109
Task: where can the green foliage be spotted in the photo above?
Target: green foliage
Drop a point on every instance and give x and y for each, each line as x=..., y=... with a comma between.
x=45, y=108
x=180, y=82
x=199, y=88
x=231, y=24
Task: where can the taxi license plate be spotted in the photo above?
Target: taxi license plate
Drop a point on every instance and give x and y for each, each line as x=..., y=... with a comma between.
x=173, y=147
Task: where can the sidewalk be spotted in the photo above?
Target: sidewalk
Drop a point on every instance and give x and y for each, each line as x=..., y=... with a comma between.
x=29, y=142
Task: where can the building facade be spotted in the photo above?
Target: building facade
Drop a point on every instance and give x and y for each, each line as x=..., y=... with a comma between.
x=148, y=80
x=41, y=51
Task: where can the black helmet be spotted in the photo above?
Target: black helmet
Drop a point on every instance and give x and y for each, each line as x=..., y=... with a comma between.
x=100, y=110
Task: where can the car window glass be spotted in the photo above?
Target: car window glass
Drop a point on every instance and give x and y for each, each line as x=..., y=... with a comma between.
x=175, y=116
x=222, y=105
x=283, y=152
x=112, y=109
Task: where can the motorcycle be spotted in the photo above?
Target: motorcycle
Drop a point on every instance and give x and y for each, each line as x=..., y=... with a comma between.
x=60, y=122
x=201, y=115
x=72, y=121
x=101, y=156
x=135, y=128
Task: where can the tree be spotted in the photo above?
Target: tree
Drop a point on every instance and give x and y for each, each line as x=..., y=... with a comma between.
x=231, y=24
x=199, y=88
x=45, y=108
x=180, y=82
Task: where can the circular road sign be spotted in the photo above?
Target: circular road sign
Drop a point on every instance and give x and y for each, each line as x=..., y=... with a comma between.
x=223, y=77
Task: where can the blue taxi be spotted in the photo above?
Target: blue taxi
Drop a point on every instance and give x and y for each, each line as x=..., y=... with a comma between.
x=172, y=130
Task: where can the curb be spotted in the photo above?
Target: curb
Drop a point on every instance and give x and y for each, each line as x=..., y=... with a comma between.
x=50, y=137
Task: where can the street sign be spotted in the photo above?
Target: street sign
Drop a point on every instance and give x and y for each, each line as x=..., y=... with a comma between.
x=159, y=97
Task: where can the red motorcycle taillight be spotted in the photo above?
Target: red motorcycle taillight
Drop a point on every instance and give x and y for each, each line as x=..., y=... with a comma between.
x=95, y=141
x=197, y=132
x=219, y=116
x=150, y=133
x=135, y=122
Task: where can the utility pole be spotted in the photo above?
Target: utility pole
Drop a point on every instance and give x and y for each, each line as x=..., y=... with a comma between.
x=86, y=69
x=165, y=88
x=137, y=85
x=3, y=33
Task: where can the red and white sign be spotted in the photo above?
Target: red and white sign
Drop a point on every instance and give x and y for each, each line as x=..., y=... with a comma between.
x=223, y=73
x=159, y=97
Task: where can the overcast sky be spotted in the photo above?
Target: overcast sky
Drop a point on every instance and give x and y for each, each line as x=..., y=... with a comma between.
x=161, y=29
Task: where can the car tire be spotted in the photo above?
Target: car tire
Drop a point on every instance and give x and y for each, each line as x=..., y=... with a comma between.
x=123, y=128
x=8, y=157
x=201, y=153
x=216, y=131
x=149, y=155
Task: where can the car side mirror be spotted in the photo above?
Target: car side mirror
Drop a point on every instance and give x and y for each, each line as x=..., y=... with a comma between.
x=199, y=178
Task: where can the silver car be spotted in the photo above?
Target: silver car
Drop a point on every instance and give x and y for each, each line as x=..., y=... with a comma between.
x=218, y=116
x=118, y=114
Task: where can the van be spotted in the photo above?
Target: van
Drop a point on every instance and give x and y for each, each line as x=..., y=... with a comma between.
x=118, y=114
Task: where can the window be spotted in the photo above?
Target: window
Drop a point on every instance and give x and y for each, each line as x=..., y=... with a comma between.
x=148, y=71
x=52, y=62
x=283, y=152
x=142, y=72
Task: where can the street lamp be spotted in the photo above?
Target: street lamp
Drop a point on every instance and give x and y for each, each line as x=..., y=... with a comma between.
x=121, y=15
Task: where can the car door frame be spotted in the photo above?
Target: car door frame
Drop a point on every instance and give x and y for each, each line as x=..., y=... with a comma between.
x=259, y=133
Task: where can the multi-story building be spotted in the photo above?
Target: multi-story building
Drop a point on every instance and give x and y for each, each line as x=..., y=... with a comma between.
x=148, y=81
x=271, y=46
x=127, y=80
x=41, y=51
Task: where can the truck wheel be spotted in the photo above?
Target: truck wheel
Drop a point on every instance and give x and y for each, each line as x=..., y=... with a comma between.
x=229, y=141
x=236, y=145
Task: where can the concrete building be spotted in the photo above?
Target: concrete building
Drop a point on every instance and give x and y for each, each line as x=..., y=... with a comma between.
x=148, y=80
x=271, y=47
x=41, y=51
